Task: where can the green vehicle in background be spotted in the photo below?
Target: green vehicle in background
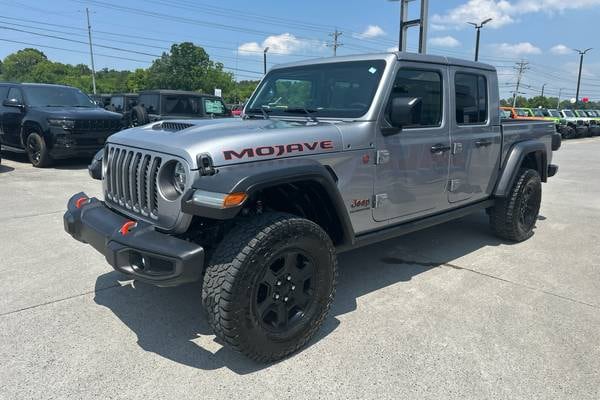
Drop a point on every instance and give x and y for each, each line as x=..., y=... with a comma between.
x=578, y=123
x=562, y=127
x=594, y=123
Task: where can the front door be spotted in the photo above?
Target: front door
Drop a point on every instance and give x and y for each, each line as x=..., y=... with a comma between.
x=412, y=166
x=476, y=136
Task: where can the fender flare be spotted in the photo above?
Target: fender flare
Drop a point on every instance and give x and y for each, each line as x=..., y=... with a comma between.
x=513, y=162
x=253, y=177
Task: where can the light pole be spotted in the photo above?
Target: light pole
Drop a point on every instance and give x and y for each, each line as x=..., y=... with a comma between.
x=405, y=23
x=581, y=54
x=265, y=59
x=478, y=28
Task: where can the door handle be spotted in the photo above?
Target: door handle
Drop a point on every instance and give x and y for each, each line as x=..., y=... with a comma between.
x=483, y=143
x=439, y=148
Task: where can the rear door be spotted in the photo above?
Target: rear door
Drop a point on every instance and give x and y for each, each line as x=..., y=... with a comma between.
x=12, y=118
x=412, y=165
x=475, y=133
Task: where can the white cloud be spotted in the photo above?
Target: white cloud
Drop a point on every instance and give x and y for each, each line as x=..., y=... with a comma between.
x=516, y=49
x=561, y=50
x=504, y=12
x=371, y=32
x=444, y=41
x=286, y=43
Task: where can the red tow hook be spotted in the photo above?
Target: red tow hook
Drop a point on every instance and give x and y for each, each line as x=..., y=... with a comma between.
x=127, y=227
x=81, y=201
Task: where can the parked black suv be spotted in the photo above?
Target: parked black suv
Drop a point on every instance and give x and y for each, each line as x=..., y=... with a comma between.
x=52, y=122
x=123, y=103
x=156, y=105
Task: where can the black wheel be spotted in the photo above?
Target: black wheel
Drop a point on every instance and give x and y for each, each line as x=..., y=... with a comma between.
x=139, y=116
x=270, y=284
x=37, y=151
x=514, y=217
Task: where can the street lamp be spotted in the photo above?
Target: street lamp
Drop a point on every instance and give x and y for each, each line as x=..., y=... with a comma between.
x=581, y=54
x=478, y=27
x=265, y=59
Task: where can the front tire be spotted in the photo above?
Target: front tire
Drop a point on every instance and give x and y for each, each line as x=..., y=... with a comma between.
x=37, y=151
x=270, y=284
x=513, y=217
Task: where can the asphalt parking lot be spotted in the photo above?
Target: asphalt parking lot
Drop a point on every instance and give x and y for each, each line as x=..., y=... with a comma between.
x=449, y=312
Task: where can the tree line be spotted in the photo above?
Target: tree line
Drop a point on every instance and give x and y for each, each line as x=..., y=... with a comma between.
x=185, y=67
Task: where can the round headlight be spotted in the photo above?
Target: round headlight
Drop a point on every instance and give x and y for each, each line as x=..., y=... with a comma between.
x=179, y=177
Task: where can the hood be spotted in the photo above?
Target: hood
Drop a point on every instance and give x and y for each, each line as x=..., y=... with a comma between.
x=233, y=140
x=79, y=113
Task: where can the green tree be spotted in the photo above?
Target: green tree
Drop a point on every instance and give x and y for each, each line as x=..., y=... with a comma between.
x=19, y=65
x=185, y=67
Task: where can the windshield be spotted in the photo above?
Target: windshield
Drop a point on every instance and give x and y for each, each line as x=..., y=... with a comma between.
x=504, y=114
x=593, y=113
x=568, y=113
x=521, y=112
x=57, y=96
x=539, y=113
x=182, y=105
x=554, y=113
x=343, y=90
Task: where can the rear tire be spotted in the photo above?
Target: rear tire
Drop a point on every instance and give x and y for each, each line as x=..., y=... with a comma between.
x=513, y=217
x=270, y=284
x=37, y=151
x=139, y=116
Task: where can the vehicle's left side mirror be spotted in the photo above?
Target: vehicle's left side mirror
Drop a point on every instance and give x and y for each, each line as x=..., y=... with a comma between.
x=95, y=167
x=13, y=103
x=404, y=111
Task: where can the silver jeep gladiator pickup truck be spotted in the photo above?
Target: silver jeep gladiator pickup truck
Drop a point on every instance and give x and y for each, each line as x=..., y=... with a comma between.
x=330, y=155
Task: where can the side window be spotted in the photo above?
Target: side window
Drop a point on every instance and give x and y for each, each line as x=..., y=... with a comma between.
x=15, y=93
x=3, y=93
x=426, y=86
x=117, y=103
x=150, y=102
x=471, y=99
x=214, y=106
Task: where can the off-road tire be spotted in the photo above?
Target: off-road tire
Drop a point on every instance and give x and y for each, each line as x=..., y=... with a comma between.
x=37, y=150
x=234, y=273
x=139, y=116
x=513, y=217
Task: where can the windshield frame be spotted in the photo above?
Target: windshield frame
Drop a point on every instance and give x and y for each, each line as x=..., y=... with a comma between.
x=382, y=70
x=28, y=94
x=554, y=113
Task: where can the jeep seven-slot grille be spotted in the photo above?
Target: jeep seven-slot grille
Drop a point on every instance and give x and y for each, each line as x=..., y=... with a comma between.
x=131, y=180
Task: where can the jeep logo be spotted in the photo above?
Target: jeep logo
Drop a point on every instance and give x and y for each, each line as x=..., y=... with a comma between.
x=278, y=150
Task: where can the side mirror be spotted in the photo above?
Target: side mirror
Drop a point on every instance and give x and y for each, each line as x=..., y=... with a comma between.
x=404, y=111
x=12, y=103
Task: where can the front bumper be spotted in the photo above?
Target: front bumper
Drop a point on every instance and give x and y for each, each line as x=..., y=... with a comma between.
x=67, y=145
x=142, y=253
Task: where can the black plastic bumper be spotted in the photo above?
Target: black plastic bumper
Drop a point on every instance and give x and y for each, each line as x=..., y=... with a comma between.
x=552, y=170
x=142, y=253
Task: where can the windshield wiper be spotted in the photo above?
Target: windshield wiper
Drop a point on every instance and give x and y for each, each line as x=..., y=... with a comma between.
x=307, y=111
x=263, y=109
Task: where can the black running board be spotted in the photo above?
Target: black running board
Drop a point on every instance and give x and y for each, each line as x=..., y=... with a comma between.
x=12, y=149
x=415, y=225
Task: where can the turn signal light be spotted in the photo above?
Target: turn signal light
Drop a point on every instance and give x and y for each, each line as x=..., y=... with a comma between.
x=234, y=199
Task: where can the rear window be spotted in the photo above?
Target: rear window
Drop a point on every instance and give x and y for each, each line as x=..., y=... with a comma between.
x=181, y=105
x=471, y=99
x=3, y=92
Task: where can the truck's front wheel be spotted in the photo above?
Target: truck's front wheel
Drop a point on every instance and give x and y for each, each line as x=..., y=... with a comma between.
x=270, y=284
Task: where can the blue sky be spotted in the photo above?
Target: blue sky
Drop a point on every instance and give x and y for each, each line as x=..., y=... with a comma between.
x=542, y=32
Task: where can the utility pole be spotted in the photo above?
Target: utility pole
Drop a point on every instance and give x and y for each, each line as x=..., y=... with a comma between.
x=522, y=67
x=581, y=54
x=558, y=102
x=478, y=27
x=87, y=13
x=265, y=59
x=335, y=44
x=543, y=86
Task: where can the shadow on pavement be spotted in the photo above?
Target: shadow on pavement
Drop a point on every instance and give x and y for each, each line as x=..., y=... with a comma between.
x=70, y=163
x=5, y=168
x=166, y=320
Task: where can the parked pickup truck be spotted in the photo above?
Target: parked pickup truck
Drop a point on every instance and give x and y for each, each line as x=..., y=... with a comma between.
x=330, y=155
x=51, y=122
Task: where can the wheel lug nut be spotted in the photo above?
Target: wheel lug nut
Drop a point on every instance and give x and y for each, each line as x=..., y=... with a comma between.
x=276, y=296
x=278, y=283
x=285, y=299
x=289, y=278
x=293, y=287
